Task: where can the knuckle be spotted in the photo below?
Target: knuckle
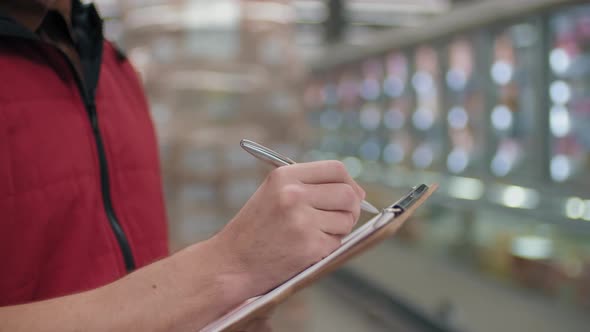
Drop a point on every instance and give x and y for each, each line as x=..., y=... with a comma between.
x=349, y=196
x=281, y=175
x=345, y=223
x=289, y=196
x=276, y=175
x=352, y=221
x=355, y=216
x=338, y=167
x=362, y=191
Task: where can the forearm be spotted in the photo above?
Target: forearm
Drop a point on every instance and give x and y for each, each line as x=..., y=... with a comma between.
x=182, y=292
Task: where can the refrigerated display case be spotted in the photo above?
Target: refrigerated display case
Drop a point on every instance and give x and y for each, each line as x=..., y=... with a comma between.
x=399, y=106
x=498, y=114
x=345, y=106
x=370, y=113
x=427, y=115
x=349, y=84
x=514, y=106
x=313, y=99
x=331, y=117
x=464, y=101
x=569, y=95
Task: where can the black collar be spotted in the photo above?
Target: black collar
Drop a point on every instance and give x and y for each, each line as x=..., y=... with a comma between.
x=11, y=28
x=86, y=24
x=87, y=35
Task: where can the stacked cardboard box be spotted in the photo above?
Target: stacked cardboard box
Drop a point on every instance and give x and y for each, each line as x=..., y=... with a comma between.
x=215, y=72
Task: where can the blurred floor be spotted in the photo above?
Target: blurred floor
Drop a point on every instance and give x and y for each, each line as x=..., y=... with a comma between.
x=478, y=304
x=325, y=310
x=329, y=307
x=332, y=312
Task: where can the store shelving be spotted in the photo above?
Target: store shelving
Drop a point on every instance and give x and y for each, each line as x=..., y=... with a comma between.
x=399, y=107
x=569, y=95
x=464, y=102
x=493, y=105
x=427, y=117
x=513, y=103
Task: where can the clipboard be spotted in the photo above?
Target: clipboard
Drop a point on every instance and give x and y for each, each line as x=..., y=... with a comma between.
x=362, y=239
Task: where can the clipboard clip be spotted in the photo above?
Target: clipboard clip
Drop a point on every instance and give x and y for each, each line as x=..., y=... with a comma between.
x=407, y=201
x=395, y=210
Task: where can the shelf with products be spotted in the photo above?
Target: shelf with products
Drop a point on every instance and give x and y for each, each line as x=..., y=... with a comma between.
x=345, y=109
x=427, y=116
x=514, y=100
x=507, y=227
x=363, y=110
x=569, y=95
x=464, y=102
x=324, y=114
x=473, y=106
x=345, y=131
x=399, y=107
x=371, y=111
x=502, y=105
x=495, y=212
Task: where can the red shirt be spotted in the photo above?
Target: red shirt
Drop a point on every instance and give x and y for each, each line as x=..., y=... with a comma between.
x=80, y=189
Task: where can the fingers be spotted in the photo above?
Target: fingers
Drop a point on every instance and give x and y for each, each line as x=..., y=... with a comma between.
x=318, y=245
x=313, y=202
x=335, y=223
x=334, y=197
x=329, y=243
x=319, y=172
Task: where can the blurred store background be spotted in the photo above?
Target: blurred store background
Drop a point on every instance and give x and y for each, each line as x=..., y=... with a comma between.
x=489, y=98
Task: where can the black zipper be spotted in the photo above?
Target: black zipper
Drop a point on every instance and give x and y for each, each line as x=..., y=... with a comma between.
x=104, y=171
x=106, y=191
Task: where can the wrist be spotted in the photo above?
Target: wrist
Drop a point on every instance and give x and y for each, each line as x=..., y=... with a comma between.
x=205, y=285
x=227, y=275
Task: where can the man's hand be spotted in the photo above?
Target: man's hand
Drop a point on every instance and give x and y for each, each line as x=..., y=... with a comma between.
x=297, y=217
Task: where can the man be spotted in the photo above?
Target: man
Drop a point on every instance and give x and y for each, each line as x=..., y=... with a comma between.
x=83, y=240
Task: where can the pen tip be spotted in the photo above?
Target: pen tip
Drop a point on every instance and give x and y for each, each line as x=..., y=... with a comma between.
x=369, y=207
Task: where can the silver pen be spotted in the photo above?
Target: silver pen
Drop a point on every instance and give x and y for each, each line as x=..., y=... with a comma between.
x=274, y=158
